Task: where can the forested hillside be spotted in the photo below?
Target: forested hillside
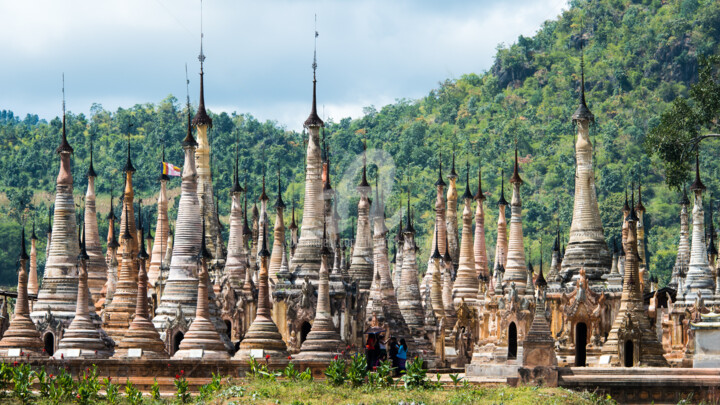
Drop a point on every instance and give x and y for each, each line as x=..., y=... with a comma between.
x=639, y=56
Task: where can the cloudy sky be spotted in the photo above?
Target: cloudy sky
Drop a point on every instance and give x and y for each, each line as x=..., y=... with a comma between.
x=259, y=53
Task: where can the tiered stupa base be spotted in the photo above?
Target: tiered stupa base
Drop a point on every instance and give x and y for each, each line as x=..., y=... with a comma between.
x=202, y=341
x=143, y=336
x=323, y=343
x=263, y=339
x=594, y=257
x=22, y=340
x=83, y=340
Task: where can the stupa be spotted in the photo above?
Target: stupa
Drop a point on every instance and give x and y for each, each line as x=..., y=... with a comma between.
x=361, y=265
x=516, y=269
x=96, y=266
x=262, y=337
x=202, y=341
x=83, y=338
x=22, y=339
x=141, y=340
x=162, y=228
x=466, y=282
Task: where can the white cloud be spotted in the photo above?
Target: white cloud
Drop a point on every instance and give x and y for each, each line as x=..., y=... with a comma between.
x=123, y=52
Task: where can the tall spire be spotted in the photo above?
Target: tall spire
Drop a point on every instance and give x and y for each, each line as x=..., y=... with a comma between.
x=440, y=181
x=697, y=185
x=201, y=117
x=583, y=112
x=453, y=173
x=516, y=176
x=364, y=186
x=23, y=249
x=129, y=168
x=64, y=145
x=189, y=140
x=236, y=180
x=313, y=120
x=480, y=196
x=91, y=169
x=468, y=194
x=502, y=200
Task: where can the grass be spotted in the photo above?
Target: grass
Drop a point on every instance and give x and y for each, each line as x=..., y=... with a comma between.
x=296, y=393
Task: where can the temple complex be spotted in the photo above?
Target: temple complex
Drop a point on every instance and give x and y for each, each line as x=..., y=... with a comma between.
x=311, y=294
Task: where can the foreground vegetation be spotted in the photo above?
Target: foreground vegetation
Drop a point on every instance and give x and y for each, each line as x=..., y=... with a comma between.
x=347, y=381
x=640, y=55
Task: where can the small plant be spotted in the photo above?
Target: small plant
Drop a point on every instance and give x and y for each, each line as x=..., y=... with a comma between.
x=133, y=394
x=382, y=376
x=305, y=375
x=290, y=372
x=111, y=390
x=22, y=376
x=155, y=390
x=61, y=387
x=5, y=375
x=181, y=387
x=456, y=379
x=336, y=372
x=88, y=386
x=357, y=372
x=261, y=371
x=207, y=390
x=415, y=374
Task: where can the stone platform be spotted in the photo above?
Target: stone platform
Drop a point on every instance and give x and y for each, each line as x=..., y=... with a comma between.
x=656, y=385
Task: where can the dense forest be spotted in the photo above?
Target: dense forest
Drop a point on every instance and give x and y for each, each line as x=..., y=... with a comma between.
x=638, y=57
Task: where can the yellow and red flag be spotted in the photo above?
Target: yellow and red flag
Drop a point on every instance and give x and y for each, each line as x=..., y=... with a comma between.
x=171, y=170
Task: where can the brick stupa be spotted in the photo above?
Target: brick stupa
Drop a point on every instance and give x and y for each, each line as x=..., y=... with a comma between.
x=96, y=266
x=21, y=339
x=466, y=282
x=141, y=340
x=202, y=341
x=323, y=342
x=83, y=339
x=262, y=337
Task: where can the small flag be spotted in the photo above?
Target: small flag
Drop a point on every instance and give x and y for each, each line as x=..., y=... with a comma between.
x=171, y=170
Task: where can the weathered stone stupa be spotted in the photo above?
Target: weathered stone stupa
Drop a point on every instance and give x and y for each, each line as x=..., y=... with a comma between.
x=33, y=286
x=466, y=283
x=306, y=259
x=96, y=265
x=501, y=244
x=440, y=234
x=480, y=250
x=682, y=261
x=202, y=341
x=632, y=341
x=111, y=259
x=539, y=345
x=451, y=217
x=205, y=194
x=699, y=279
x=323, y=342
x=180, y=292
x=58, y=292
x=162, y=228
x=236, y=261
x=141, y=340
x=516, y=269
x=22, y=339
x=262, y=337
x=586, y=248
x=119, y=312
x=361, y=265
x=83, y=338
x=279, y=237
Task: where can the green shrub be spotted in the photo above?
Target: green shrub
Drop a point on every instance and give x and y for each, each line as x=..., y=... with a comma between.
x=415, y=374
x=155, y=390
x=357, y=372
x=181, y=387
x=336, y=372
x=207, y=390
x=111, y=391
x=88, y=386
x=133, y=394
x=22, y=377
x=290, y=372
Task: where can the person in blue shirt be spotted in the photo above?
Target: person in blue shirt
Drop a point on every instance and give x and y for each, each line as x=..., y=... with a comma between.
x=402, y=355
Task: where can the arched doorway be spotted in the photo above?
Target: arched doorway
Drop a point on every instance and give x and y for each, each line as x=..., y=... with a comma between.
x=176, y=341
x=228, y=328
x=580, y=344
x=628, y=361
x=304, y=330
x=49, y=343
x=512, y=341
